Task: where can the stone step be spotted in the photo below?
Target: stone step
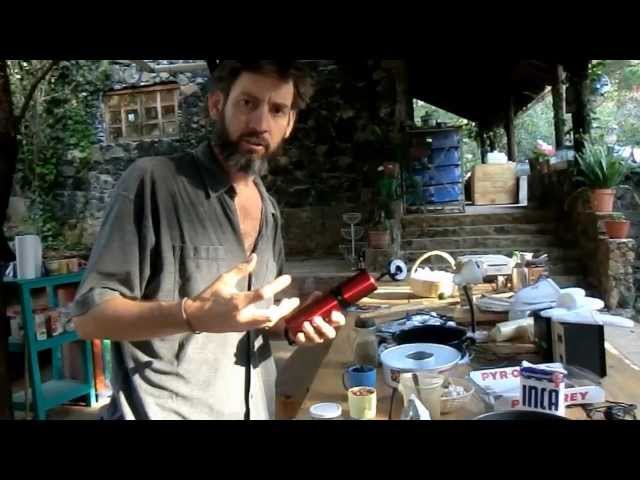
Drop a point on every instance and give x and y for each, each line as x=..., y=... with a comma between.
x=562, y=262
x=510, y=217
x=567, y=267
x=557, y=255
x=479, y=230
x=513, y=242
x=568, y=281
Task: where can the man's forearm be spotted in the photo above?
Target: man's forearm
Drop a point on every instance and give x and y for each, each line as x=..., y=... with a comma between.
x=121, y=319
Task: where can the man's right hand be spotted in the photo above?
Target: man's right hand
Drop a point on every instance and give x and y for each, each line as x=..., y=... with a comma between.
x=222, y=308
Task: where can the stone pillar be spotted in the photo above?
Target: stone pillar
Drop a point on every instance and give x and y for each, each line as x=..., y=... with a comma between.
x=616, y=259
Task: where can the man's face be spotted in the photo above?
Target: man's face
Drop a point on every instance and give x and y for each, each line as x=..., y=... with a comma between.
x=253, y=121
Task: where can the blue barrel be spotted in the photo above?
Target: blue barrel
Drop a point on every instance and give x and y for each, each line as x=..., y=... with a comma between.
x=444, y=156
x=439, y=175
x=442, y=193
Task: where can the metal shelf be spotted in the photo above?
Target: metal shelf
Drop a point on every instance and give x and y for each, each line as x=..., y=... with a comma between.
x=55, y=392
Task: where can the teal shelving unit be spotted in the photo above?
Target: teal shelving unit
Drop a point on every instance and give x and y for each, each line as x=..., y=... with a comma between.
x=58, y=390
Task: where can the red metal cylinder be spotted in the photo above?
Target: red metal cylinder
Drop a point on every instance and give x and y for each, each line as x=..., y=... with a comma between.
x=348, y=292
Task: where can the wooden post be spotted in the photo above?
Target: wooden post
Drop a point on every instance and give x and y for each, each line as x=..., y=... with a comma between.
x=559, y=106
x=403, y=101
x=492, y=140
x=482, y=143
x=581, y=115
x=511, y=132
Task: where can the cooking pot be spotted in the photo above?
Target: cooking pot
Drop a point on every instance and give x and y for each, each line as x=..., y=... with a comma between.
x=417, y=357
x=451, y=336
x=520, y=415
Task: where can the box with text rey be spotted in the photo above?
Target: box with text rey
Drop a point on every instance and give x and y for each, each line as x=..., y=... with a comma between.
x=502, y=389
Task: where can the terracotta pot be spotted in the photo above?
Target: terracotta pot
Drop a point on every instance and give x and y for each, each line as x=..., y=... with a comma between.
x=379, y=239
x=617, y=228
x=602, y=200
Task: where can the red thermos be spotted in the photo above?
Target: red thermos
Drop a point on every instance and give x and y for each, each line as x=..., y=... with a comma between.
x=347, y=293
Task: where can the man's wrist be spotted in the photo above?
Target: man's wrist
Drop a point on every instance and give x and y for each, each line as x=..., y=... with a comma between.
x=182, y=309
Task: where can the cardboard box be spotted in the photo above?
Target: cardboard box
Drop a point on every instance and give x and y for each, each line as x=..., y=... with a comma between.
x=503, y=389
x=494, y=184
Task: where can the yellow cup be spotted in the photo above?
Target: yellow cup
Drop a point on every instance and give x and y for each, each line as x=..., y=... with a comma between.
x=362, y=403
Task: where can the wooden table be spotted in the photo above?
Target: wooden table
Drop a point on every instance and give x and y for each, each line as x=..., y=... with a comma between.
x=621, y=384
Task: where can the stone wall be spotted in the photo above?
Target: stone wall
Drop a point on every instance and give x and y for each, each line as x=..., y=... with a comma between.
x=628, y=205
x=328, y=166
x=612, y=267
x=83, y=199
x=616, y=283
x=315, y=231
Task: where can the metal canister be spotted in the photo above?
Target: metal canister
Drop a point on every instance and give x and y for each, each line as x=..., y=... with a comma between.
x=519, y=278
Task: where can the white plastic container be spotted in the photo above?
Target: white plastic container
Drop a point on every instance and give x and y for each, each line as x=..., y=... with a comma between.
x=326, y=411
x=496, y=158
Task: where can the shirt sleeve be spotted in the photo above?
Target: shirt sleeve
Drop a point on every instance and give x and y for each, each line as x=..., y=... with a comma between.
x=120, y=259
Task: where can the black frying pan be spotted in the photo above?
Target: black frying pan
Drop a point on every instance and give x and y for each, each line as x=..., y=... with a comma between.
x=455, y=337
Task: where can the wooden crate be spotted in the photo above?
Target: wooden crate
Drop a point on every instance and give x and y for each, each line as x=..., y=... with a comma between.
x=494, y=184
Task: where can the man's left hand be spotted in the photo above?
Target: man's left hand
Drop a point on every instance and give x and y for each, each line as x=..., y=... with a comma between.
x=317, y=330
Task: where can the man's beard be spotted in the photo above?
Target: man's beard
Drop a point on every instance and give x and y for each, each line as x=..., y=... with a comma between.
x=252, y=164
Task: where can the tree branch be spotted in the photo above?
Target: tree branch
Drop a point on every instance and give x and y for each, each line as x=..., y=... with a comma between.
x=32, y=90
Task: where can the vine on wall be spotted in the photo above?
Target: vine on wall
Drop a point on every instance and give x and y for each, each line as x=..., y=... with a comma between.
x=59, y=129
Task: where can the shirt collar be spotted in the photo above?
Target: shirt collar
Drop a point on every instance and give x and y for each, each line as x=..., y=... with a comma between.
x=214, y=174
x=217, y=179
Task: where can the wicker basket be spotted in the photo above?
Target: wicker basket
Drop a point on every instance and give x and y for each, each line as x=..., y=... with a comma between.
x=428, y=288
x=451, y=404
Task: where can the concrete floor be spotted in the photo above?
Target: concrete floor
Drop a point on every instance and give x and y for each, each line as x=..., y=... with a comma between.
x=626, y=341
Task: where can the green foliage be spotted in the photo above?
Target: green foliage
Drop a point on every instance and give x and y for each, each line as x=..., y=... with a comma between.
x=533, y=125
x=618, y=110
x=598, y=167
x=59, y=124
x=618, y=217
x=470, y=148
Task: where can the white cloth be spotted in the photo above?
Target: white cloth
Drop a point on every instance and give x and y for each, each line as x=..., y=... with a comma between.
x=590, y=317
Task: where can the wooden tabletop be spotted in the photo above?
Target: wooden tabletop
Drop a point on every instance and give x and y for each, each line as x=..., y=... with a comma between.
x=621, y=384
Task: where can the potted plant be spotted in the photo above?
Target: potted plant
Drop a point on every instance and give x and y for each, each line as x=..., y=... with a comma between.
x=386, y=194
x=618, y=226
x=602, y=171
x=379, y=232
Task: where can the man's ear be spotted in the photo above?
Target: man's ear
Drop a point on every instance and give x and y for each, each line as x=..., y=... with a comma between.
x=216, y=104
x=292, y=121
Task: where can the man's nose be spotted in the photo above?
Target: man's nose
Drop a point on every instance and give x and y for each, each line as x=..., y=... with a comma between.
x=259, y=119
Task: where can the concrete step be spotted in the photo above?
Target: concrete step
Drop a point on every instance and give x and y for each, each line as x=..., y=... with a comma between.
x=479, y=230
x=508, y=217
x=513, y=242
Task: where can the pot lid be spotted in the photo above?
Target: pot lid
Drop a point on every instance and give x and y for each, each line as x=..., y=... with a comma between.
x=420, y=356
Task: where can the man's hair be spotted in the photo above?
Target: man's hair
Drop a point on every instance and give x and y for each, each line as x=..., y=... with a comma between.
x=224, y=73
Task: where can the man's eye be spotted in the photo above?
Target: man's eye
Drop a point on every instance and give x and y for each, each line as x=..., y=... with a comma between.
x=246, y=103
x=279, y=111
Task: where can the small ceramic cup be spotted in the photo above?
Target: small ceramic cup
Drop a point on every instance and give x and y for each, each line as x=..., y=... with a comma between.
x=362, y=403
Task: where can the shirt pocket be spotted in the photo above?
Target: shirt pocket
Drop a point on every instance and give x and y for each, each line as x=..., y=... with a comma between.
x=196, y=267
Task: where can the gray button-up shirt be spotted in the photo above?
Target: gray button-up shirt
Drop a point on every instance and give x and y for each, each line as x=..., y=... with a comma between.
x=170, y=230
